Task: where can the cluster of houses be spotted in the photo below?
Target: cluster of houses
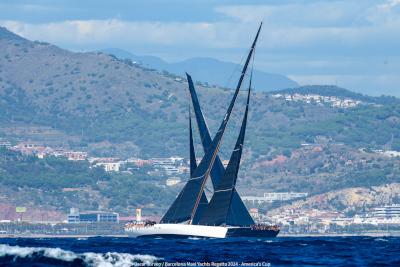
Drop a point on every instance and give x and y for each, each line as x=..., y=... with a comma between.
x=27, y=148
x=333, y=101
x=315, y=220
x=170, y=167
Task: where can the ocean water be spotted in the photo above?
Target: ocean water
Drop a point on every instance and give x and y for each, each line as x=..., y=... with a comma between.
x=281, y=251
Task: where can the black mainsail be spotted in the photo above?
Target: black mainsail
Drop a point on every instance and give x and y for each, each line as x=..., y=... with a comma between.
x=186, y=204
x=171, y=215
x=241, y=215
x=220, y=210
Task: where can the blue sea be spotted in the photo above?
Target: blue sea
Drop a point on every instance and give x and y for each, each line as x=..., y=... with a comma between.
x=281, y=251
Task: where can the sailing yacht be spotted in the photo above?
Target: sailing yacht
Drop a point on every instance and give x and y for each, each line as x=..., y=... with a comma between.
x=224, y=215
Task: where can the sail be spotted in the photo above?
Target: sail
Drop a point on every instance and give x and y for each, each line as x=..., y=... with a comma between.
x=193, y=165
x=193, y=162
x=169, y=216
x=186, y=205
x=241, y=215
x=218, y=168
x=189, y=198
x=220, y=211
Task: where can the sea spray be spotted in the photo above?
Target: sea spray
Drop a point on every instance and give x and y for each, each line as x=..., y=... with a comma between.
x=84, y=259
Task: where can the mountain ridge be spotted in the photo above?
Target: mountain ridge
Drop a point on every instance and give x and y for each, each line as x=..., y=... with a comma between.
x=207, y=70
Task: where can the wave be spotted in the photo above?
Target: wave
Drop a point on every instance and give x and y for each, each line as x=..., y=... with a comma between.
x=17, y=254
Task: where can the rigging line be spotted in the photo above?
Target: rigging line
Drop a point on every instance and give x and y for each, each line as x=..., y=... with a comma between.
x=236, y=114
x=247, y=107
x=236, y=69
x=227, y=88
x=209, y=190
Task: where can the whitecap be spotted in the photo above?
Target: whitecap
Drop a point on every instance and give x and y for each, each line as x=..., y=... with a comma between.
x=381, y=239
x=108, y=259
x=195, y=238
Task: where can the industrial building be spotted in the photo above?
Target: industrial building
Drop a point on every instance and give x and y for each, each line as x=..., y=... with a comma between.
x=387, y=211
x=92, y=216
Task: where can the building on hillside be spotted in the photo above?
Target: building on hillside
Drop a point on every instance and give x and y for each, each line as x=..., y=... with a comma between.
x=138, y=162
x=5, y=144
x=75, y=155
x=170, y=166
x=274, y=196
x=172, y=181
x=387, y=211
x=254, y=213
x=171, y=170
x=29, y=148
x=167, y=161
x=109, y=166
x=183, y=169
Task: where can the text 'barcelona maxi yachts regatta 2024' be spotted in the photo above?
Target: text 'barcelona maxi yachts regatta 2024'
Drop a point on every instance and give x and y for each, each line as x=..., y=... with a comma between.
x=224, y=215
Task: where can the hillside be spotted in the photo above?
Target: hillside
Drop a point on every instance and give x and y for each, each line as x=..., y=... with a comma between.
x=350, y=200
x=97, y=98
x=57, y=184
x=314, y=139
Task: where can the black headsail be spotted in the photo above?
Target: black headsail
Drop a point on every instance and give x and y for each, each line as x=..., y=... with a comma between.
x=170, y=216
x=220, y=210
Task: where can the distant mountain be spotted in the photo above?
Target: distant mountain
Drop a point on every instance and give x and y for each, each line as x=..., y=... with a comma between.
x=212, y=71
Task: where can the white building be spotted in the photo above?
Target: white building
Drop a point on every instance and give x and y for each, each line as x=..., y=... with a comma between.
x=254, y=213
x=172, y=181
x=110, y=166
x=92, y=216
x=387, y=211
x=274, y=196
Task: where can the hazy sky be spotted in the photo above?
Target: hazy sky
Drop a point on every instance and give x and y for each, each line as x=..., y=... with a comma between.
x=354, y=44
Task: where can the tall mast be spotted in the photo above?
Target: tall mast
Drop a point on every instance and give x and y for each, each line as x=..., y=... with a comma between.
x=220, y=205
x=221, y=129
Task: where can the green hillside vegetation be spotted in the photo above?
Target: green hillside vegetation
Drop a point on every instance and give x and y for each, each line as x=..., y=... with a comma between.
x=51, y=173
x=27, y=179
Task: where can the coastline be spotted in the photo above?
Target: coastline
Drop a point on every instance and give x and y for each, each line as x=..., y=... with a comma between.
x=370, y=234
x=281, y=235
x=58, y=236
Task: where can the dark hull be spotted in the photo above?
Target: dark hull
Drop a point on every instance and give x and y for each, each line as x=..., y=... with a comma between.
x=170, y=236
x=232, y=232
